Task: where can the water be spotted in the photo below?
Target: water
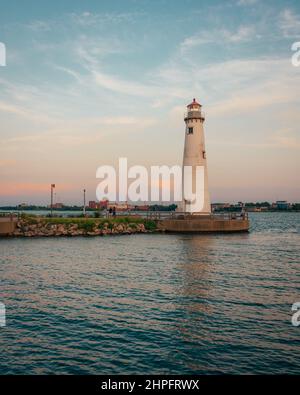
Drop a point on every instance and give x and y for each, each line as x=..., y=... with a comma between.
x=197, y=304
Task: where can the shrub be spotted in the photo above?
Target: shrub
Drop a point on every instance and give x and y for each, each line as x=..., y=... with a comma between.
x=150, y=225
x=88, y=226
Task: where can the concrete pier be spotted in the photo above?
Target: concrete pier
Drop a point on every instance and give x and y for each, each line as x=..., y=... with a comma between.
x=8, y=223
x=204, y=224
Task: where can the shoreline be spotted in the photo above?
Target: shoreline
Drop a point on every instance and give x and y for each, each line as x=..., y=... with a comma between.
x=74, y=227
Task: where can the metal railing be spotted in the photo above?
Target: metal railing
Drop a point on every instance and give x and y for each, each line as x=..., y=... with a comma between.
x=7, y=215
x=152, y=215
x=160, y=215
x=194, y=115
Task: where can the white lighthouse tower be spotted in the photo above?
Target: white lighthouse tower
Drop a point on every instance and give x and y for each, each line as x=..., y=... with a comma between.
x=195, y=157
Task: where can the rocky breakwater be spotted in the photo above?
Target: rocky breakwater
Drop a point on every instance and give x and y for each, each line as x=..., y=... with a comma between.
x=42, y=227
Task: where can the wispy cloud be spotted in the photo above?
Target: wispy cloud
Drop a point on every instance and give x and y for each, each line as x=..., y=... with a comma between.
x=286, y=138
x=23, y=112
x=122, y=86
x=242, y=34
x=88, y=18
x=40, y=26
x=246, y=2
x=289, y=23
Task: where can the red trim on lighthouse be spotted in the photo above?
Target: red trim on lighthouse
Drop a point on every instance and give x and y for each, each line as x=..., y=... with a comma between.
x=194, y=104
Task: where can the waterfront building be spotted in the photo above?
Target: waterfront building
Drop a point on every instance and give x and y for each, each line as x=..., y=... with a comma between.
x=282, y=205
x=93, y=205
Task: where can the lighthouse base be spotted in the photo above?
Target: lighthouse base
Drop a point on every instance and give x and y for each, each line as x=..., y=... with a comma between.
x=204, y=224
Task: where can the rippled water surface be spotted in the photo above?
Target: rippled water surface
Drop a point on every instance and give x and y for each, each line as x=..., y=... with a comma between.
x=153, y=303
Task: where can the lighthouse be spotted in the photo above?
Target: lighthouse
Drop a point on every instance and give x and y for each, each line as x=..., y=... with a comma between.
x=194, y=209
x=194, y=159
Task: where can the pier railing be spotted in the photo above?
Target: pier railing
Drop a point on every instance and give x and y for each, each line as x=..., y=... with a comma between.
x=6, y=216
x=160, y=215
x=9, y=216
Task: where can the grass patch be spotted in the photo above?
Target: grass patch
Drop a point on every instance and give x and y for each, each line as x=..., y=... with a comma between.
x=30, y=219
x=88, y=224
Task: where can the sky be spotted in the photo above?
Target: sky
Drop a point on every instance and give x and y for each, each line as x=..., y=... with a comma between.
x=88, y=82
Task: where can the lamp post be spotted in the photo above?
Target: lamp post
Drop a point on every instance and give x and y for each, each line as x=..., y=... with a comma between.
x=51, y=206
x=84, y=202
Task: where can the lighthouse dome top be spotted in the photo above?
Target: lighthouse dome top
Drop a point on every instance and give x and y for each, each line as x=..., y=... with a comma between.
x=194, y=104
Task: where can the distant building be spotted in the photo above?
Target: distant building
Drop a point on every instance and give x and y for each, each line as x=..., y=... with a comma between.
x=57, y=205
x=253, y=209
x=144, y=207
x=119, y=206
x=282, y=205
x=264, y=208
x=98, y=205
x=103, y=204
x=93, y=205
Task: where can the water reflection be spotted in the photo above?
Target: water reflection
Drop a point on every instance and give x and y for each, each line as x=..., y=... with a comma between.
x=196, y=257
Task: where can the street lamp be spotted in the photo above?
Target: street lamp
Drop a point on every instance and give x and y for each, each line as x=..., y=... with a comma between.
x=51, y=206
x=84, y=202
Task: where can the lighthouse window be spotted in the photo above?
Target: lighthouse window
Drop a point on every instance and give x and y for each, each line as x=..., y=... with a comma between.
x=204, y=154
x=190, y=130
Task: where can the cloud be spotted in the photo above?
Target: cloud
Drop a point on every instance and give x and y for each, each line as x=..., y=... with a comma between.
x=246, y=2
x=246, y=102
x=283, y=138
x=88, y=19
x=40, y=26
x=122, y=86
x=125, y=120
x=32, y=115
x=242, y=34
x=286, y=138
x=149, y=90
x=289, y=23
x=255, y=84
x=68, y=133
x=72, y=73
